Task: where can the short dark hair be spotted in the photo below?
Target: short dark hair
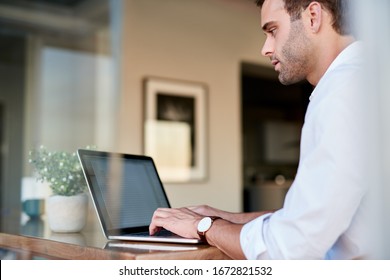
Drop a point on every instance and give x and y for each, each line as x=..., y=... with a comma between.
x=339, y=10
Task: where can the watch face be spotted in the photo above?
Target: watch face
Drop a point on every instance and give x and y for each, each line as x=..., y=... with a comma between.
x=204, y=224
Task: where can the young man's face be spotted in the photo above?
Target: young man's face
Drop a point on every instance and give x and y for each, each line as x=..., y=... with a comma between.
x=286, y=44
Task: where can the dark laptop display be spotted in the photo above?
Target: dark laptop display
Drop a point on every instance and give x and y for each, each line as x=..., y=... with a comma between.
x=126, y=190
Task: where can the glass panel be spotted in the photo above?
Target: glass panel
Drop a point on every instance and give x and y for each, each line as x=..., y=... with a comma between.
x=57, y=87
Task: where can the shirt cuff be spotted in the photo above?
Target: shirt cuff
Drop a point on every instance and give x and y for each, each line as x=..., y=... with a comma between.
x=252, y=238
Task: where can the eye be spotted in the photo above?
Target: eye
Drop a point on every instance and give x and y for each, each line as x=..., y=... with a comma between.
x=272, y=31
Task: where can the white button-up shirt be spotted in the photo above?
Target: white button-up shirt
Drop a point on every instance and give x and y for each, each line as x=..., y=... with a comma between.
x=323, y=216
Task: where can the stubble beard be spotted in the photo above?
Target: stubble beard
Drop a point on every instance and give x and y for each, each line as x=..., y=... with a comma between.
x=295, y=55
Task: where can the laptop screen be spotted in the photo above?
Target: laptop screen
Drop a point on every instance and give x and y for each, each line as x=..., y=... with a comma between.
x=126, y=189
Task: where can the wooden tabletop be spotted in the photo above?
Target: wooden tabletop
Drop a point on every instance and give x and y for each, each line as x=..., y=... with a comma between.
x=34, y=239
x=28, y=247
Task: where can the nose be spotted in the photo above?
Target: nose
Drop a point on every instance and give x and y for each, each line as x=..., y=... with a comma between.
x=268, y=48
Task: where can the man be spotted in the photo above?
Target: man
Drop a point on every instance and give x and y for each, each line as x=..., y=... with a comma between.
x=323, y=216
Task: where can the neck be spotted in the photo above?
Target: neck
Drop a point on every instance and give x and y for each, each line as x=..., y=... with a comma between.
x=329, y=50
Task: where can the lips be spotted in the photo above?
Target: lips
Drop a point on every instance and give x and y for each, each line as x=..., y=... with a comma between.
x=275, y=63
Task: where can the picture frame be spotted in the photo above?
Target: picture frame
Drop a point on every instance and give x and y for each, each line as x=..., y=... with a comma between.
x=175, y=128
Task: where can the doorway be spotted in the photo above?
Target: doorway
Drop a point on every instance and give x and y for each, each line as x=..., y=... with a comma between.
x=272, y=119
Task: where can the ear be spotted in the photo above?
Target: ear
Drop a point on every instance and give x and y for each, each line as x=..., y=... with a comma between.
x=314, y=12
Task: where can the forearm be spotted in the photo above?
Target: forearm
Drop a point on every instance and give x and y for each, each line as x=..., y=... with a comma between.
x=242, y=218
x=237, y=218
x=226, y=236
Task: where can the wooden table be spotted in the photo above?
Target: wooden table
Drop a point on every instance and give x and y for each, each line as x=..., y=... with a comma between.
x=27, y=247
x=35, y=241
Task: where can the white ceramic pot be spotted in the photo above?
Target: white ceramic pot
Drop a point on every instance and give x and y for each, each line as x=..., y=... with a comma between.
x=67, y=213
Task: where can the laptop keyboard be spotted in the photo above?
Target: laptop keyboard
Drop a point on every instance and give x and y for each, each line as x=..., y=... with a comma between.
x=162, y=232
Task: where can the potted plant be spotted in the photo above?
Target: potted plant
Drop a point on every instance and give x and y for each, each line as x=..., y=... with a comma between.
x=67, y=208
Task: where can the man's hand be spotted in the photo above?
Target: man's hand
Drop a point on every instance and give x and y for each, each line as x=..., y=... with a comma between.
x=206, y=210
x=184, y=221
x=181, y=221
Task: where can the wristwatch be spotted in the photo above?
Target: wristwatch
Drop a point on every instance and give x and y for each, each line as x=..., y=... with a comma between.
x=204, y=225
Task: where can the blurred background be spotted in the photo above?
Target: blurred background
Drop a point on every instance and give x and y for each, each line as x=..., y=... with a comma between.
x=72, y=74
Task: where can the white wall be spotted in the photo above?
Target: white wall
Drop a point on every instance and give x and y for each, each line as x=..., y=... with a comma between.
x=377, y=43
x=194, y=40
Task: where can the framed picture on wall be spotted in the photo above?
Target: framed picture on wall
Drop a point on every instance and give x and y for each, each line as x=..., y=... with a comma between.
x=175, y=128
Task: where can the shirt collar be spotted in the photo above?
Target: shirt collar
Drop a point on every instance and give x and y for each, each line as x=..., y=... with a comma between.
x=351, y=51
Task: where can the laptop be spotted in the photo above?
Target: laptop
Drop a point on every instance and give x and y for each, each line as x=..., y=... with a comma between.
x=126, y=190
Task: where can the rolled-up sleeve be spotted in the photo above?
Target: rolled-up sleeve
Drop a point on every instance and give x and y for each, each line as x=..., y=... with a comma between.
x=252, y=238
